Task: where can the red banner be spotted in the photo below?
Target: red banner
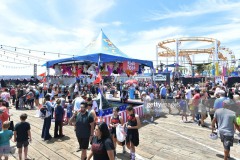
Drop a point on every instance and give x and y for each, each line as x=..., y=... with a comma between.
x=130, y=66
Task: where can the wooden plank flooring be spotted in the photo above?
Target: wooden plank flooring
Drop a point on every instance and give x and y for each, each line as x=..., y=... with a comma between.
x=166, y=139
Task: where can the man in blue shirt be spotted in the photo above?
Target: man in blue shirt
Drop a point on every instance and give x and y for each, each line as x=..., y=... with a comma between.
x=163, y=92
x=219, y=101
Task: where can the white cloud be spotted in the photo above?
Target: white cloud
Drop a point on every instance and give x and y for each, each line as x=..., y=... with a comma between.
x=20, y=31
x=201, y=7
x=117, y=23
x=90, y=9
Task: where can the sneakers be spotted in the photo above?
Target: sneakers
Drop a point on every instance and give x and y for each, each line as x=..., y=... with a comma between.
x=145, y=121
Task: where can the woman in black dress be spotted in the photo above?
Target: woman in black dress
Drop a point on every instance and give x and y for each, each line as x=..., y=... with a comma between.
x=102, y=144
x=133, y=124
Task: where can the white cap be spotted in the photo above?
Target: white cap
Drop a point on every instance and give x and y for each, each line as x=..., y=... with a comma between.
x=144, y=93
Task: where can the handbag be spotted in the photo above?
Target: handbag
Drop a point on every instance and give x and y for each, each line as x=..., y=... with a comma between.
x=120, y=133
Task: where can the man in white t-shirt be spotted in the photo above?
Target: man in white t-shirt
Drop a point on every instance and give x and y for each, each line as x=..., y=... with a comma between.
x=188, y=94
x=77, y=103
x=94, y=104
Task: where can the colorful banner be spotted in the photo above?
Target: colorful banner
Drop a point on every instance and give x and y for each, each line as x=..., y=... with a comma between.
x=132, y=66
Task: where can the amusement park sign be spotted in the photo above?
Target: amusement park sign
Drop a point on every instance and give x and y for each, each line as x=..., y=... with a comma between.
x=160, y=77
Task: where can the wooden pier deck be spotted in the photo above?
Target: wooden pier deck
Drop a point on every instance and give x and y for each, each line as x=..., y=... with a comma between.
x=166, y=139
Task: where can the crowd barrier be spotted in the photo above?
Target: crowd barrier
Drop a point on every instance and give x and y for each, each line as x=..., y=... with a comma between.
x=108, y=113
x=138, y=110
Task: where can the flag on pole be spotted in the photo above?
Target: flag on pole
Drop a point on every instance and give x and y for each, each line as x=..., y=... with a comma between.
x=43, y=80
x=42, y=74
x=100, y=104
x=98, y=80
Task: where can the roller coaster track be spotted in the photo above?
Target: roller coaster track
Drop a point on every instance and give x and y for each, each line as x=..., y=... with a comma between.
x=187, y=52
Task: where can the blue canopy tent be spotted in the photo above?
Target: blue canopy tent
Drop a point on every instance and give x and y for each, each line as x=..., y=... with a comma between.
x=100, y=50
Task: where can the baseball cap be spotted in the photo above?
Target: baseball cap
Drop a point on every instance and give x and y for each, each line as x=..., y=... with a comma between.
x=144, y=93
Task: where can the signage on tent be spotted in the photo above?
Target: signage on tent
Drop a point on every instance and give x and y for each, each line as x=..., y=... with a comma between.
x=132, y=66
x=160, y=77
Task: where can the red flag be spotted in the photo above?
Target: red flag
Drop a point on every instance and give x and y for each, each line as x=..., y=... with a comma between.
x=43, y=74
x=43, y=80
x=99, y=79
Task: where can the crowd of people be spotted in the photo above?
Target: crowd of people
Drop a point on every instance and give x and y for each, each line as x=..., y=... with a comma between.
x=79, y=101
x=218, y=102
x=81, y=113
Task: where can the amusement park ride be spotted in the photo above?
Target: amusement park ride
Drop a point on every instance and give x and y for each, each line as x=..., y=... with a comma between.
x=216, y=52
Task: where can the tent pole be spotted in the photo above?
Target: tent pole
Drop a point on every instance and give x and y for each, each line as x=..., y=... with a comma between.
x=156, y=57
x=47, y=78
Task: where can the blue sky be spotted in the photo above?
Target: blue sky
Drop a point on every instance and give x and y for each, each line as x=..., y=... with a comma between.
x=134, y=26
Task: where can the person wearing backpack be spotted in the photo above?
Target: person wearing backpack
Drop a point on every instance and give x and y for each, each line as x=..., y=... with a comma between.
x=47, y=120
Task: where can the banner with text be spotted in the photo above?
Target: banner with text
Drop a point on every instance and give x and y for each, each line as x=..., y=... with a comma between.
x=131, y=66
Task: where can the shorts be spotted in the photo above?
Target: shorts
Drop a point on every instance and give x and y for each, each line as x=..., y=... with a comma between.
x=37, y=96
x=83, y=142
x=227, y=141
x=69, y=115
x=22, y=144
x=6, y=149
x=184, y=109
x=163, y=97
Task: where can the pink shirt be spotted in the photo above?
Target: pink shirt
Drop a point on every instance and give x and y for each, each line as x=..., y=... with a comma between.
x=196, y=98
